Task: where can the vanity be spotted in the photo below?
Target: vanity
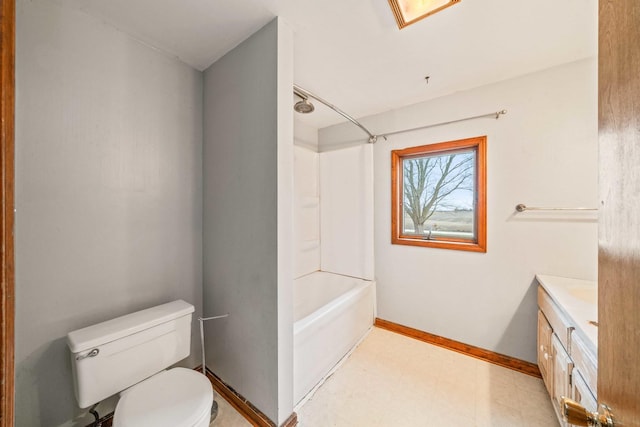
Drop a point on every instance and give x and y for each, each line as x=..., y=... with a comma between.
x=568, y=340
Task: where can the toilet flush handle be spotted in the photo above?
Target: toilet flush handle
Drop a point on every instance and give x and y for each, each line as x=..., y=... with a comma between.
x=92, y=353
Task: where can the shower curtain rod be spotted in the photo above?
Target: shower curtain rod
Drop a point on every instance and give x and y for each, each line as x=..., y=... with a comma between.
x=495, y=115
x=373, y=138
x=303, y=93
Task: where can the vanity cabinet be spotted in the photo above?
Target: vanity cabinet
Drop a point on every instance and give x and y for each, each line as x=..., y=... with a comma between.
x=562, y=368
x=544, y=349
x=581, y=392
x=567, y=363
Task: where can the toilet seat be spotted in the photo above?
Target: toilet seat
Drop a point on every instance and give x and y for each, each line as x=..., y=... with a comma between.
x=178, y=397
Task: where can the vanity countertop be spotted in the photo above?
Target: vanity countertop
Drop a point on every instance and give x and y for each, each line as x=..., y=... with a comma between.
x=579, y=301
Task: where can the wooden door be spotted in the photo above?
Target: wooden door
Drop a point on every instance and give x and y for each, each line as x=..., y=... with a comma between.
x=619, y=224
x=7, y=43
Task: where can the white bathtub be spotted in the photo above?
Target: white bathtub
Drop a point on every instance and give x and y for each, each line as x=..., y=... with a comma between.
x=331, y=313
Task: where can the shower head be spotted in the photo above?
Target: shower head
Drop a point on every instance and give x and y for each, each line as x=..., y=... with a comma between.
x=304, y=106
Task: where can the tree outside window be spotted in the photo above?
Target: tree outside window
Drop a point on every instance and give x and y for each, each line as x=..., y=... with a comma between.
x=439, y=195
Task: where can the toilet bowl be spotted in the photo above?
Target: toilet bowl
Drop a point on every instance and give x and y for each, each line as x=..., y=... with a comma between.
x=129, y=356
x=178, y=397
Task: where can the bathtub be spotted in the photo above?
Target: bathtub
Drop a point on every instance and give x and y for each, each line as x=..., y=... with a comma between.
x=331, y=314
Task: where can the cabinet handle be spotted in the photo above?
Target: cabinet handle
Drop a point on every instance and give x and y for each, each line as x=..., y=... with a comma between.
x=541, y=348
x=546, y=356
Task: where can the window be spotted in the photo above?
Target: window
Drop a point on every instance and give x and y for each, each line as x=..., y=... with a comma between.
x=438, y=195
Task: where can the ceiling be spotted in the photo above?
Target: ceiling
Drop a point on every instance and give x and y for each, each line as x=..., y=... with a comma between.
x=351, y=53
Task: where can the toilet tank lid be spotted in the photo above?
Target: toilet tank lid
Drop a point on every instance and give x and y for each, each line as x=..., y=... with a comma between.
x=111, y=330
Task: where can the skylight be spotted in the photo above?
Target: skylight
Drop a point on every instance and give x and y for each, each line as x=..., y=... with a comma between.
x=409, y=11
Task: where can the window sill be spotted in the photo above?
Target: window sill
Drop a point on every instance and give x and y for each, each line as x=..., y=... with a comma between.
x=440, y=244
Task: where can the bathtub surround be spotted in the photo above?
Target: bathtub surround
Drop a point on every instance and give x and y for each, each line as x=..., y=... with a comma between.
x=248, y=209
x=333, y=202
x=108, y=193
x=306, y=200
x=334, y=291
x=304, y=136
x=543, y=152
x=346, y=211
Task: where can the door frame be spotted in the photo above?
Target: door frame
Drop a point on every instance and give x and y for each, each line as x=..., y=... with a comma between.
x=7, y=175
x=7, y=183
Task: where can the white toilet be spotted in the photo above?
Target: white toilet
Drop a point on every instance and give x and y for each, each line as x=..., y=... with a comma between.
x=129, y=355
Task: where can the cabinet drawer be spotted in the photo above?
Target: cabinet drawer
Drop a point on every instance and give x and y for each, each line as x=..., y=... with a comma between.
x=585, y=361
x=557, y=321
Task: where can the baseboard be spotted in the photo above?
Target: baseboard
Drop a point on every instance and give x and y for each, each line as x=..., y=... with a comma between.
x=467, y=349
x=292, y=421
x=243, y=406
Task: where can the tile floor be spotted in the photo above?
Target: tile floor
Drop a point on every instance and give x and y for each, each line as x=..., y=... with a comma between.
x=391, y=380
x=227, y=415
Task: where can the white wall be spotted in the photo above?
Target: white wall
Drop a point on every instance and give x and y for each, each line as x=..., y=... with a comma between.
x=543, y=152
x=248, y=215
x=346, y=211
x=284, y=148
x=108, y=193
x=306, y=218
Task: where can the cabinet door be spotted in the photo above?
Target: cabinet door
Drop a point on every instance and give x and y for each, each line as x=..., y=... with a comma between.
x=544, y=351
x=581, y=392
x=560, y=371
x=585, y=359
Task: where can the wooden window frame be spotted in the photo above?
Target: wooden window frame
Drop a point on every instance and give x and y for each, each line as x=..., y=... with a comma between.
x=479, y=144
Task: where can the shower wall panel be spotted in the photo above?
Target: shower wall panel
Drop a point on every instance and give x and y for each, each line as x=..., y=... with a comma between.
x=346, y=211
x=306, y=218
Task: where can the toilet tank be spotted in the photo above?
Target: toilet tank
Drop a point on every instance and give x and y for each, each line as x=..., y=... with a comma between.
x=111, y=356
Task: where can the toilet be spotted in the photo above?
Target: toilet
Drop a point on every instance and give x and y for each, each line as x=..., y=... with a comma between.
x=129, y=356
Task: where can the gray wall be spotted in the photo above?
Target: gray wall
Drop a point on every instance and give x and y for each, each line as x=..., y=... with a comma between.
x=248, y=174
x=543, y=152
x=108, y=192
